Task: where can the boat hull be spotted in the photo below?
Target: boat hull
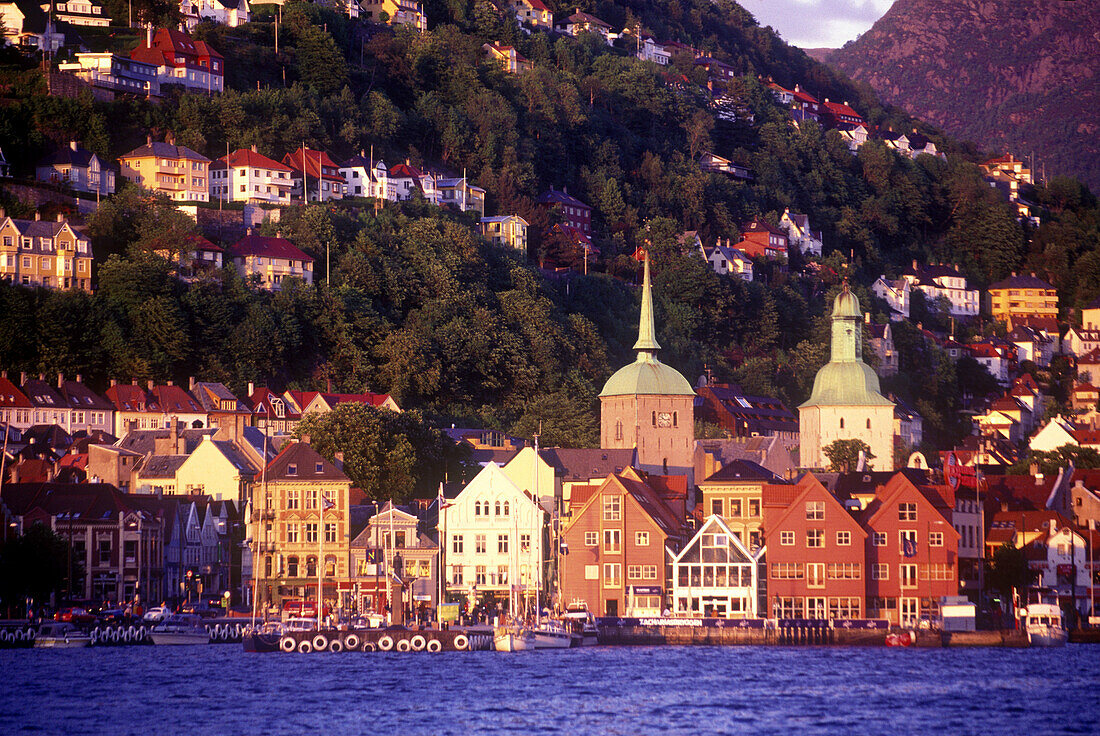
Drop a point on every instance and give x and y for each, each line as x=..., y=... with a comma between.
x=69, y=642
x=164, y=638
x=553, y=640
x=1047, y=636
x=512, y=641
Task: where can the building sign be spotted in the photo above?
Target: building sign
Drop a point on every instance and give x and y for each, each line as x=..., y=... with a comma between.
x=448, y=612
x=646, y=589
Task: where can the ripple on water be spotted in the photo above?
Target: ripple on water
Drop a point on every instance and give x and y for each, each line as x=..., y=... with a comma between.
x=149, y=691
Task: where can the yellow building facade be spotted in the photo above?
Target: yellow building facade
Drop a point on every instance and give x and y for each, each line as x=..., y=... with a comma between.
x=176, y=171
x=1022, y=296
x=49, y=254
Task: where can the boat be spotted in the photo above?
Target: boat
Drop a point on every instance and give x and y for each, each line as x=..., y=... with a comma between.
x=551, y=634
x=180, y=628
x=61, y=635
x=582, y=624
x=264, y=638
x=513, y=638
x=1042, y=621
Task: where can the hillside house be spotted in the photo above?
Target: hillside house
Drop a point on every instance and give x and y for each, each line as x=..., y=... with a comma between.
x=50, y=254
x=270, y=260
x=533, y=13
x=314, y=175
x=800, y=234
x=77, y=168
x=180, y=60
x=176, y=171
x=246, y=175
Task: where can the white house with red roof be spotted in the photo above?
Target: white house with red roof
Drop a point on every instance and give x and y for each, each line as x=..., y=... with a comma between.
x=249, y=176
x=804, y=106
x=533, y=13
x=364, y=177
x=270, y=260
x=271, y=412
x=181, y=60
x=230, y=13
x=650, y=50
x=799, y=232
x=314, y=172
x=321, y=402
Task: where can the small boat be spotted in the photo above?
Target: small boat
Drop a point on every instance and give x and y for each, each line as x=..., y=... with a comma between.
x=900, y=639
x=180, y=628
x=582, y=624
x=513, y=639
x=1043, y=622
x=61, y=635
x=552, y=634
x=263, y=638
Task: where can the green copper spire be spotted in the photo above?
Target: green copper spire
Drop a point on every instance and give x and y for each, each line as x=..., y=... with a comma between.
x=647, y=335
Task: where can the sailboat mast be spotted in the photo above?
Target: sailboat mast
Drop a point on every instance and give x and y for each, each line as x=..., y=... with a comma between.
x=320, y=556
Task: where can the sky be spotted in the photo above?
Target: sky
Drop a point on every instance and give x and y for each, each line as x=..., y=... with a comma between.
x=817, y=23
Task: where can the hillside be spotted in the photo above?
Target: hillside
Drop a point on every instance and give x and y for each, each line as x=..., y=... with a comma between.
x=1020, y=76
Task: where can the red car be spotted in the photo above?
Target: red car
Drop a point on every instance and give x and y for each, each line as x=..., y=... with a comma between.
x=74, y=615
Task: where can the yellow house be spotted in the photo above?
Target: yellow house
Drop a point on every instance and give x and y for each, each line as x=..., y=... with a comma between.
x=1022, y=296
x=289, y=539
x=397, y=13
x=513, y=61
x=534, y=13
x=48, y=254
x=734, y=493
x=507, y=230
x=174, y=170
x=219, y=469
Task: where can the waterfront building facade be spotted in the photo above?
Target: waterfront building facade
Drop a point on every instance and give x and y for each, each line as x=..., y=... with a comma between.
x=714, y=575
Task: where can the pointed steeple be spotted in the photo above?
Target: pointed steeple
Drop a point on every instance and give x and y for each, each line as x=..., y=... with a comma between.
x=647, y=343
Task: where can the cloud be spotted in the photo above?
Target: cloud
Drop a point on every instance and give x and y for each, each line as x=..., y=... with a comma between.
x=817, y=23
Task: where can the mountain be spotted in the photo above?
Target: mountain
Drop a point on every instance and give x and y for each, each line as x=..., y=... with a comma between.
x=1018, y=76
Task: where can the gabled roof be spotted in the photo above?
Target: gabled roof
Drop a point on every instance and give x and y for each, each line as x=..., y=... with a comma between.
x=305, y=461
x=210, y=395
x=175, y=399
x=160, y=149
x=42, y=395
x=143, y=441
x=249, y=158
x=553, y=197
x=315, y=161
x=580, y=17
x=129, y=397
x=405, y=171
x=11, y=397
x=261, y=403
x=743, y=470
x=840, y=109
x=67, y=155
x=267, y=247
x=78, y=396
x=759, y=224
x=1021, y=281
x=161, y=466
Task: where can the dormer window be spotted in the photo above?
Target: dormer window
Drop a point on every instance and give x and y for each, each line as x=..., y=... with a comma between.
x=292, y=469
x=320, y=468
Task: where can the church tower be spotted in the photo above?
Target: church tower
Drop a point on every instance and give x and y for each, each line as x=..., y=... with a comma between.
x=846, y=402
x=649, y=406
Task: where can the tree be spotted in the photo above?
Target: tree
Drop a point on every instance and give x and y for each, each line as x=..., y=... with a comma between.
x=844, y=455
x=32, y=566
x=1008, y=570
x=388, y=454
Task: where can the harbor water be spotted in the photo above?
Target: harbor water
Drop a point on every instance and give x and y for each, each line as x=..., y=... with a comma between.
x=602, y=690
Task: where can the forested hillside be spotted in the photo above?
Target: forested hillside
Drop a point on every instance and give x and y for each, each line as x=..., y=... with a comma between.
x=419, y=306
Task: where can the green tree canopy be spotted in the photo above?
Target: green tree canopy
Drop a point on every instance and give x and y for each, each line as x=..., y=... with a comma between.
x=844, y=455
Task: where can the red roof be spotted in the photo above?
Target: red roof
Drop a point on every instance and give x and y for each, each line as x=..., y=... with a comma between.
x=175, y=48
x=759, y=224
x=11, y=396
x=538, y=5
x=304, y=397
x=268, y=247
x=174, y=398
x=839, y=109
x=261, y=404
x=313, y=160
x=249, y=158
x=127, y=397
x=405, y=171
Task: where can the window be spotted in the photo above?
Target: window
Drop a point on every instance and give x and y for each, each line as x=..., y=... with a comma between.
x=634, y=572
x=311, y=533
x=525, y=542
x=292, y=567
x=735, y=507
x=310, y=499
x=880, y=571
x=612, y=575
x=591, y=539
x=754, y=507
x=786, y=538
x=502, y=574
x=479, y=575
x=908, y=576
x=479, y=544
x=844, y=608
x=502, y=544
x=907, y=535
x=844, y=571
x=505, y=509
x=716, y=506
x=907, y=512
x=292, y=533
x=815, y=537
x=612, y=508
x=330, y=531
x=641, y=539
x=815, y=575
x=456, y=544
x=649, y=572
x=843, y=539
x=815, y=510
x=477, y=508
x=456, y=574
x=292, y=469
x=935, y=539
x=496, y=509
x=787, y=571
x=879, y=540
x=612, y=540
x=591, y=572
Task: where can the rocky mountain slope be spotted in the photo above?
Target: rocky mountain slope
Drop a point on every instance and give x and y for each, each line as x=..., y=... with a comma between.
x=1019, y=76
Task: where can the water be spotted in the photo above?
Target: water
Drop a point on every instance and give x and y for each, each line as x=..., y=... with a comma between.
x=640, y=690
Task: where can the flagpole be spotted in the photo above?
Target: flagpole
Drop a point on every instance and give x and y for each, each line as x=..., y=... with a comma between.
x=320, y=557
x=442, y=550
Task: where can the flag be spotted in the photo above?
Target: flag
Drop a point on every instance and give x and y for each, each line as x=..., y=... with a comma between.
x=326, y=504
x=909, y=547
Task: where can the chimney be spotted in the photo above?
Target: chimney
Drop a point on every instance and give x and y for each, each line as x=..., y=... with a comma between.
x=191, y=383
x=114, y=382
x=149, y=383
x=37, y=215
x=79, y=378
x=248, y=231
x=169, y=382
x=60, y=217
x=42, y=377
x=251, y=388
x=254, y=148
x=60, y=380
x=73, y=145
x=148, y=140
x=867, y=317
x=149, y=35
x=22, y=378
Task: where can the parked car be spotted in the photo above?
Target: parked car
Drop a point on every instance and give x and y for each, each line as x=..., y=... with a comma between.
x=113, y=616
x=202, y=608
x=74, y=615
x=156, y=614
